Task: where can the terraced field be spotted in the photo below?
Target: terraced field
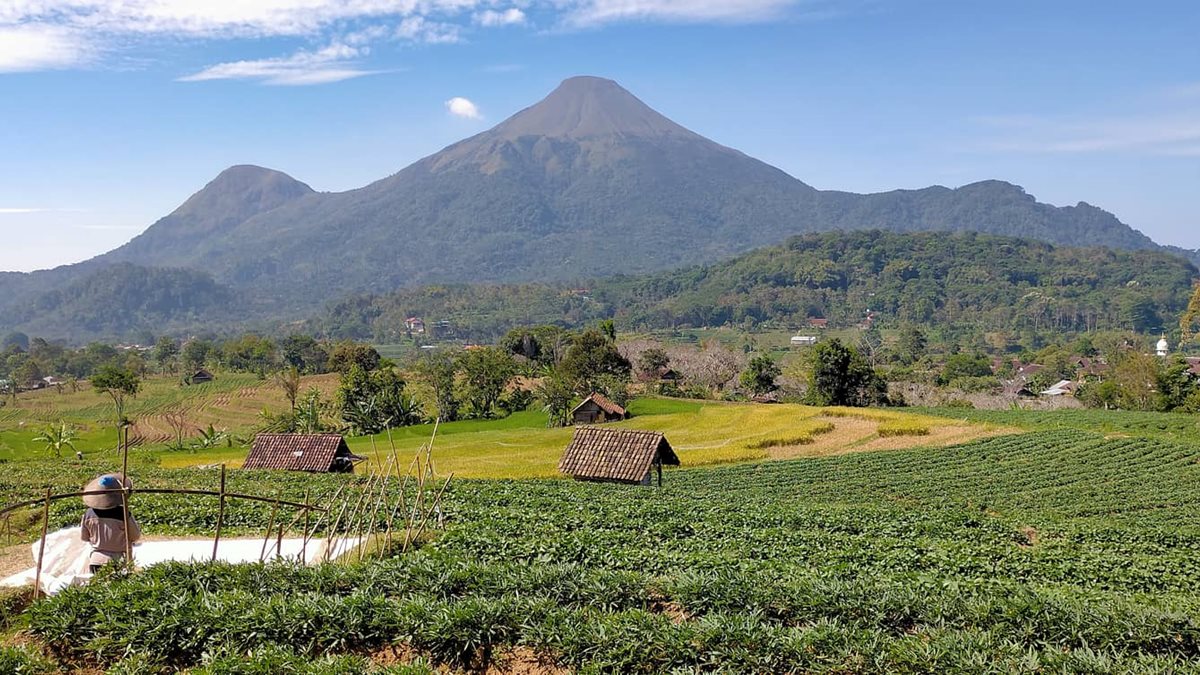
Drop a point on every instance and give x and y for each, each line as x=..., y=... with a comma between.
x=1052, y=551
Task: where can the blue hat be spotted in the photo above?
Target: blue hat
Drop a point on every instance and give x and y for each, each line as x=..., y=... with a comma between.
x=106, y=500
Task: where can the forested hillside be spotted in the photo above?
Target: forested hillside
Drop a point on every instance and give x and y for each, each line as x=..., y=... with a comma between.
x=973, y=280
x=126, y=299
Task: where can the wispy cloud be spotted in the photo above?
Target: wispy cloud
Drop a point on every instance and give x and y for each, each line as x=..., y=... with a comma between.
x=47, y=34
x=333, y=63
x=491, y=18
x=1148, y=134
x=420, y=29
x=26, y=210
x=464, y=108
x=597, y=12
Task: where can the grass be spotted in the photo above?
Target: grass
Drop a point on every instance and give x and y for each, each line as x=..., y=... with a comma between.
x=517, y=446
x=702, y=433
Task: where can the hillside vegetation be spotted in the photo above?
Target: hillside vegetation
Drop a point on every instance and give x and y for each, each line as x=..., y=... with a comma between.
x=975, y=282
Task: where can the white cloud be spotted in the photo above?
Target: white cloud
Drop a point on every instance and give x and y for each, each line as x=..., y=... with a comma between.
x=27, y=47
x=491, y=18
x=46, y=34
x=462, y=107
x=596, y=12
x=420, y=29
x=330, y=64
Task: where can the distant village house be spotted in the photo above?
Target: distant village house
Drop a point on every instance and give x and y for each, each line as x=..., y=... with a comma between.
x=414, y=324
x=200, y=377
x=597, y=409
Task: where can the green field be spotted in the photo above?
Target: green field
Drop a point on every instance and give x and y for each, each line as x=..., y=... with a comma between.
x=867, y=541
x=1052, y=551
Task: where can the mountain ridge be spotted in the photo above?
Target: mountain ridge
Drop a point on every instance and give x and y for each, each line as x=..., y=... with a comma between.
x=588, y=182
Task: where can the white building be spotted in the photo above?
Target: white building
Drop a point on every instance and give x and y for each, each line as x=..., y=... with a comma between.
x=1163, y=347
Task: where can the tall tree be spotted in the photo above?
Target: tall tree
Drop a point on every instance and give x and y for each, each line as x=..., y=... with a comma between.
x=759, y=376
x=166, y=354
x=486, y=372
x=591, y=358
x=438, y=371
x=839, y=375
x=120, y=384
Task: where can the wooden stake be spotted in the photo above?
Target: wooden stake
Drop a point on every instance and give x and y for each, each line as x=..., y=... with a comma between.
x=220, y=515
x=37, y=577
x=123, y=431
x=329, y=540
x=267, y=537
x=320, y=520
x=304, y=539
x=353, y=524
x=370, y=525
x=437, y=500
x=125, y=519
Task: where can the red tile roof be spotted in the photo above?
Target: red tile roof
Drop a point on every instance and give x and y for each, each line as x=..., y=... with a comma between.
x=605, y=404
x=623, y=455
x=298, y=452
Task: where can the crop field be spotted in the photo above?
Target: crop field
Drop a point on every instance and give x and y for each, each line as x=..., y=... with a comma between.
x=232, y=402
x=520, y=446
x=1049, y=551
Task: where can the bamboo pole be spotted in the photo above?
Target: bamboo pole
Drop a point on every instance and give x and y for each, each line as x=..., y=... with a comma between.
x=304, y=539
x=37, y=577
x=370, y=523
x=437, y=500
x=125, y=521
x=353, y=524
x=220, y=515
x=123, y=436
x=270, y=526
x=333, y=529
x=321, y=519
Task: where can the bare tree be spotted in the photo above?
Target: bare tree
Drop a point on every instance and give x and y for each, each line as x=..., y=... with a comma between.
x=288, y=380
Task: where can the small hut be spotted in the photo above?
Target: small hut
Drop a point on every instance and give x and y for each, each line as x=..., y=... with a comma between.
x=200, y=377
x=597, y=409
x=617, y=455
x=316, y=453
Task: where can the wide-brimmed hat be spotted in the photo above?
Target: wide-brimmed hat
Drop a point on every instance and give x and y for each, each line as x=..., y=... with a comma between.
x=107, y=500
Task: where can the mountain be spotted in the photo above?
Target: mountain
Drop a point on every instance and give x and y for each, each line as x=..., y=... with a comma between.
x=588, y=182
x=233, y=197
x=964, y=283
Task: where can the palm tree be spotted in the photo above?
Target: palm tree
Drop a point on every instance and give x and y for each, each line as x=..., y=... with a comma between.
x=57, y=437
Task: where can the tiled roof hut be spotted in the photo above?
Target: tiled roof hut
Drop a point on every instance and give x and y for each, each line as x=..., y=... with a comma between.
x=617, y=455
x=318, y=453
x=597, y=409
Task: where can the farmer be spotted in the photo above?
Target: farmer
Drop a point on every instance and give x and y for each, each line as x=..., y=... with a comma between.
x=103, y=524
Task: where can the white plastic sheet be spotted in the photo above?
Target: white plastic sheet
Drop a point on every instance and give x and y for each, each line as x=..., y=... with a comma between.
x=67, y=556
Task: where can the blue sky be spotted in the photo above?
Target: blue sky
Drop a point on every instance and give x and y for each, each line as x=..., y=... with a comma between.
x=112, y=113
